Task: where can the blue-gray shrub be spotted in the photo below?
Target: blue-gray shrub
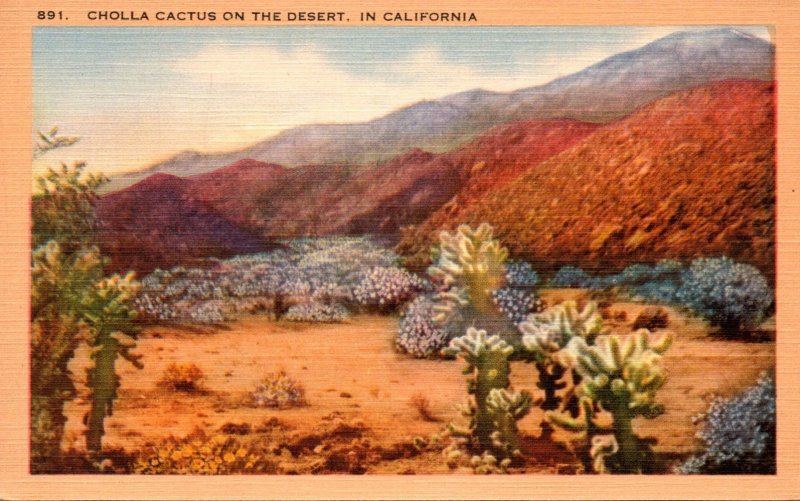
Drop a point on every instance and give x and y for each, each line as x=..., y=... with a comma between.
x=739, y=434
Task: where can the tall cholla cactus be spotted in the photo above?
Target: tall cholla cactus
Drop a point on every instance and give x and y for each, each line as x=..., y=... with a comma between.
x=622, y=374
x=493, y=409
x=471, y=265
x=58, y=284
x=545, y=335
x=471, y=268
x=109, y=316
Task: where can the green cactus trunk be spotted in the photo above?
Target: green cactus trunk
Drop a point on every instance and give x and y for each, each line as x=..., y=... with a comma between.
x=492, y=372
x=629, y=457
x=104, y=386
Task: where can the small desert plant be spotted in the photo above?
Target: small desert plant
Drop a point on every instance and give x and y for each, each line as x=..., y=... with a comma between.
x=520, y=274
x=278, y=390
x=184, y=377
x=739, y=434
x=198, y=454
x=733, y=296
x=422, y=405
x=316, y=312
x=418, y=334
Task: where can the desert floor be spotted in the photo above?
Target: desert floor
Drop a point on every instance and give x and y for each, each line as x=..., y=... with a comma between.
x=359, y=416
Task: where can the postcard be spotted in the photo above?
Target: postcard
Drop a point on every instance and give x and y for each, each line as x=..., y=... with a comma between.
x=257, y=250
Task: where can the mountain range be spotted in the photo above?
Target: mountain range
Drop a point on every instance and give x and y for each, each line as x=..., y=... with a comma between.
x=605, y=91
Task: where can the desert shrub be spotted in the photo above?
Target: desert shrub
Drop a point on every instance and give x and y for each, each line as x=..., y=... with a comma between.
x=326, y=270
x=739, y=434
x=278, y=390
x=152, y=307
x=387, y=287
x=316, y=312
x=520, y=274
x=185, y=377
x=207, y=312
x=572, y=276
x=418, y=334
x=517, y=304
x=657, y=282
x=659, y=291
x=731, y=295
x=198, y=454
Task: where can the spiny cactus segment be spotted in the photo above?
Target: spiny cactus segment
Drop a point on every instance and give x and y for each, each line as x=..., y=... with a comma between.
x=493, y=409
x=622, y=374
x=472, y=262
x=545, y=335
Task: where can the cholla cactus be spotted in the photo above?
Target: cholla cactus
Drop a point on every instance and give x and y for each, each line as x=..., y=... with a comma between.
x=109, y=315
x=545, y=335
x=469, y=271
x=59, y=282
x=622, y=375
x=471, y=266
x=492, y=409
x=506, y=408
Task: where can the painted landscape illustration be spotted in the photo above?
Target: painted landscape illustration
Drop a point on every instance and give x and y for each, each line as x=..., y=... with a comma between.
x=306, y=250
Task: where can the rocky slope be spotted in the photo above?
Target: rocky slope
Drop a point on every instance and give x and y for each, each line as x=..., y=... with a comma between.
x=692, y=174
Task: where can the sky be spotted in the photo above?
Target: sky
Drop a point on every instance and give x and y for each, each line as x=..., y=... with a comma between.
x=136, y=96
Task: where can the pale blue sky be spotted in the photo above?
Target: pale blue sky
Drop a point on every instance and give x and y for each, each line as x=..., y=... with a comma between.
x=139, y=95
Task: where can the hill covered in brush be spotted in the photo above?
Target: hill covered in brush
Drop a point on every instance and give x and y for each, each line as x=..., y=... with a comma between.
x=692, y=174
x=251, y=201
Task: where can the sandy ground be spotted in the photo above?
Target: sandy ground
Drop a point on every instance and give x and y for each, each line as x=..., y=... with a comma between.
x=353, y=378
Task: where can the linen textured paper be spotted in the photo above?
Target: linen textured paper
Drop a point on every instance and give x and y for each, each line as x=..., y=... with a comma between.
x=399, y=251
